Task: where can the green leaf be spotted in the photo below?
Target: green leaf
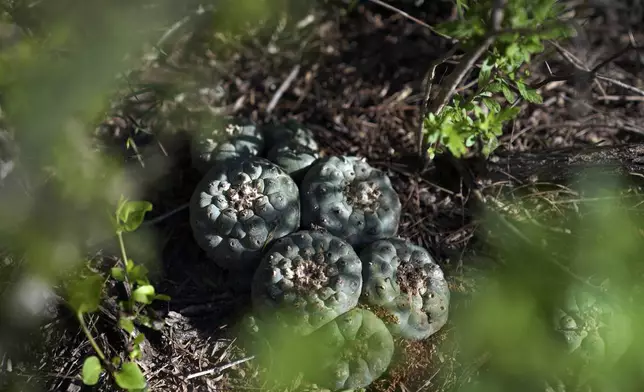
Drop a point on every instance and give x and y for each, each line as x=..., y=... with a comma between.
x=118, y=274
x=144, y=320
x=508, y=113
x=116, y=361
x=139, y=274
x=543, y=10
x=491, y=104
x=139, y=338
x=130, y=377
x=495, y=87
x=143, y=294
x=131, y=214
x=85, y=293
x=486, y=72
x=126, y=324
x=92, y=370
x=529, y=94
x=512, y=50
x=162, y=297
x=136, y=353
x=507, y=93
x=129, y=266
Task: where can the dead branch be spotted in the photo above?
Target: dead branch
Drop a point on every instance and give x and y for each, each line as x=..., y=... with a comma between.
x=562, y=165
x=581, y=71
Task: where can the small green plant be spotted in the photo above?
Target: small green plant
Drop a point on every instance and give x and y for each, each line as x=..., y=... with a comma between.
x=523, y=25
x=87, y=292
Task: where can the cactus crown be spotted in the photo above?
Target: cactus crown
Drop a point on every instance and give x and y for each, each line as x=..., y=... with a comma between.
x=310, y=274
x=363, y=195
x=230, y=131
x=243, y=196
x=411, y=278
x=354, y=349
x=233, y=129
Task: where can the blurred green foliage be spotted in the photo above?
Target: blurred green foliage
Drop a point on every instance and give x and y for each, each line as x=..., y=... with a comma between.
x=62, y=65
x=58, y=80
x=60, y=77
x=513, y=316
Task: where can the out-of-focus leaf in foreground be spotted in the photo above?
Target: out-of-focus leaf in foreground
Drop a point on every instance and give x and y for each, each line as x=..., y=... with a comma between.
x=563, y=309
x=53, y=83
x=63, y=65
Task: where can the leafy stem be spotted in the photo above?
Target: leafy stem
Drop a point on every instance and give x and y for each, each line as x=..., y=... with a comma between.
x=90, y=337
x=86, y=294
x=503, y=36
x=119, y=235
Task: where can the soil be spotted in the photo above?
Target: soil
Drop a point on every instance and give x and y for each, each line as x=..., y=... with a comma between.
x=354, y=77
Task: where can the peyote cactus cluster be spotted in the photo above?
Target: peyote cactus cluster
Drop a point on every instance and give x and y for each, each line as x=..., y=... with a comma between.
x=317, y=238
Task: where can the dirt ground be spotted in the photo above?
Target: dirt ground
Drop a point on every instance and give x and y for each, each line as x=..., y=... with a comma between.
x=355, y=78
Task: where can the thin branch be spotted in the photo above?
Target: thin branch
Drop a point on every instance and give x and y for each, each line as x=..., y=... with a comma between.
x=90, y=338
x=219, y=368
x=428, y=83
x=128, y=288
x=571, y=58
x=626, y=49
x=165, y=216
x=553, y=78
x=621, y=84
x=181, y=23
x=413, y=19
x=282, y=89
x=624, y=98
x=583, y=71
x=456, y=77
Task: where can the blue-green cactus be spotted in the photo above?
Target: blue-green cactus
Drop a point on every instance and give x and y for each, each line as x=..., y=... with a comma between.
x=292, y=146
x=402, y=279
x=290, y=131
x=350, y=199
x=307, y=279
x=280, y=353
x=239, y=207
x=294, y=158
x=596, y=333
x=594, y=328
x=352, y=351
x=231, y=139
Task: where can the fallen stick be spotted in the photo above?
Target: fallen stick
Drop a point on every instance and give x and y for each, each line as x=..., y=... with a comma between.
x=561, y=165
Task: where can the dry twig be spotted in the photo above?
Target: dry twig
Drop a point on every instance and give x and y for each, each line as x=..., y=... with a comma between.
x=583, y=72
x=219, y=368
x=413, y=19
x=282, y=89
